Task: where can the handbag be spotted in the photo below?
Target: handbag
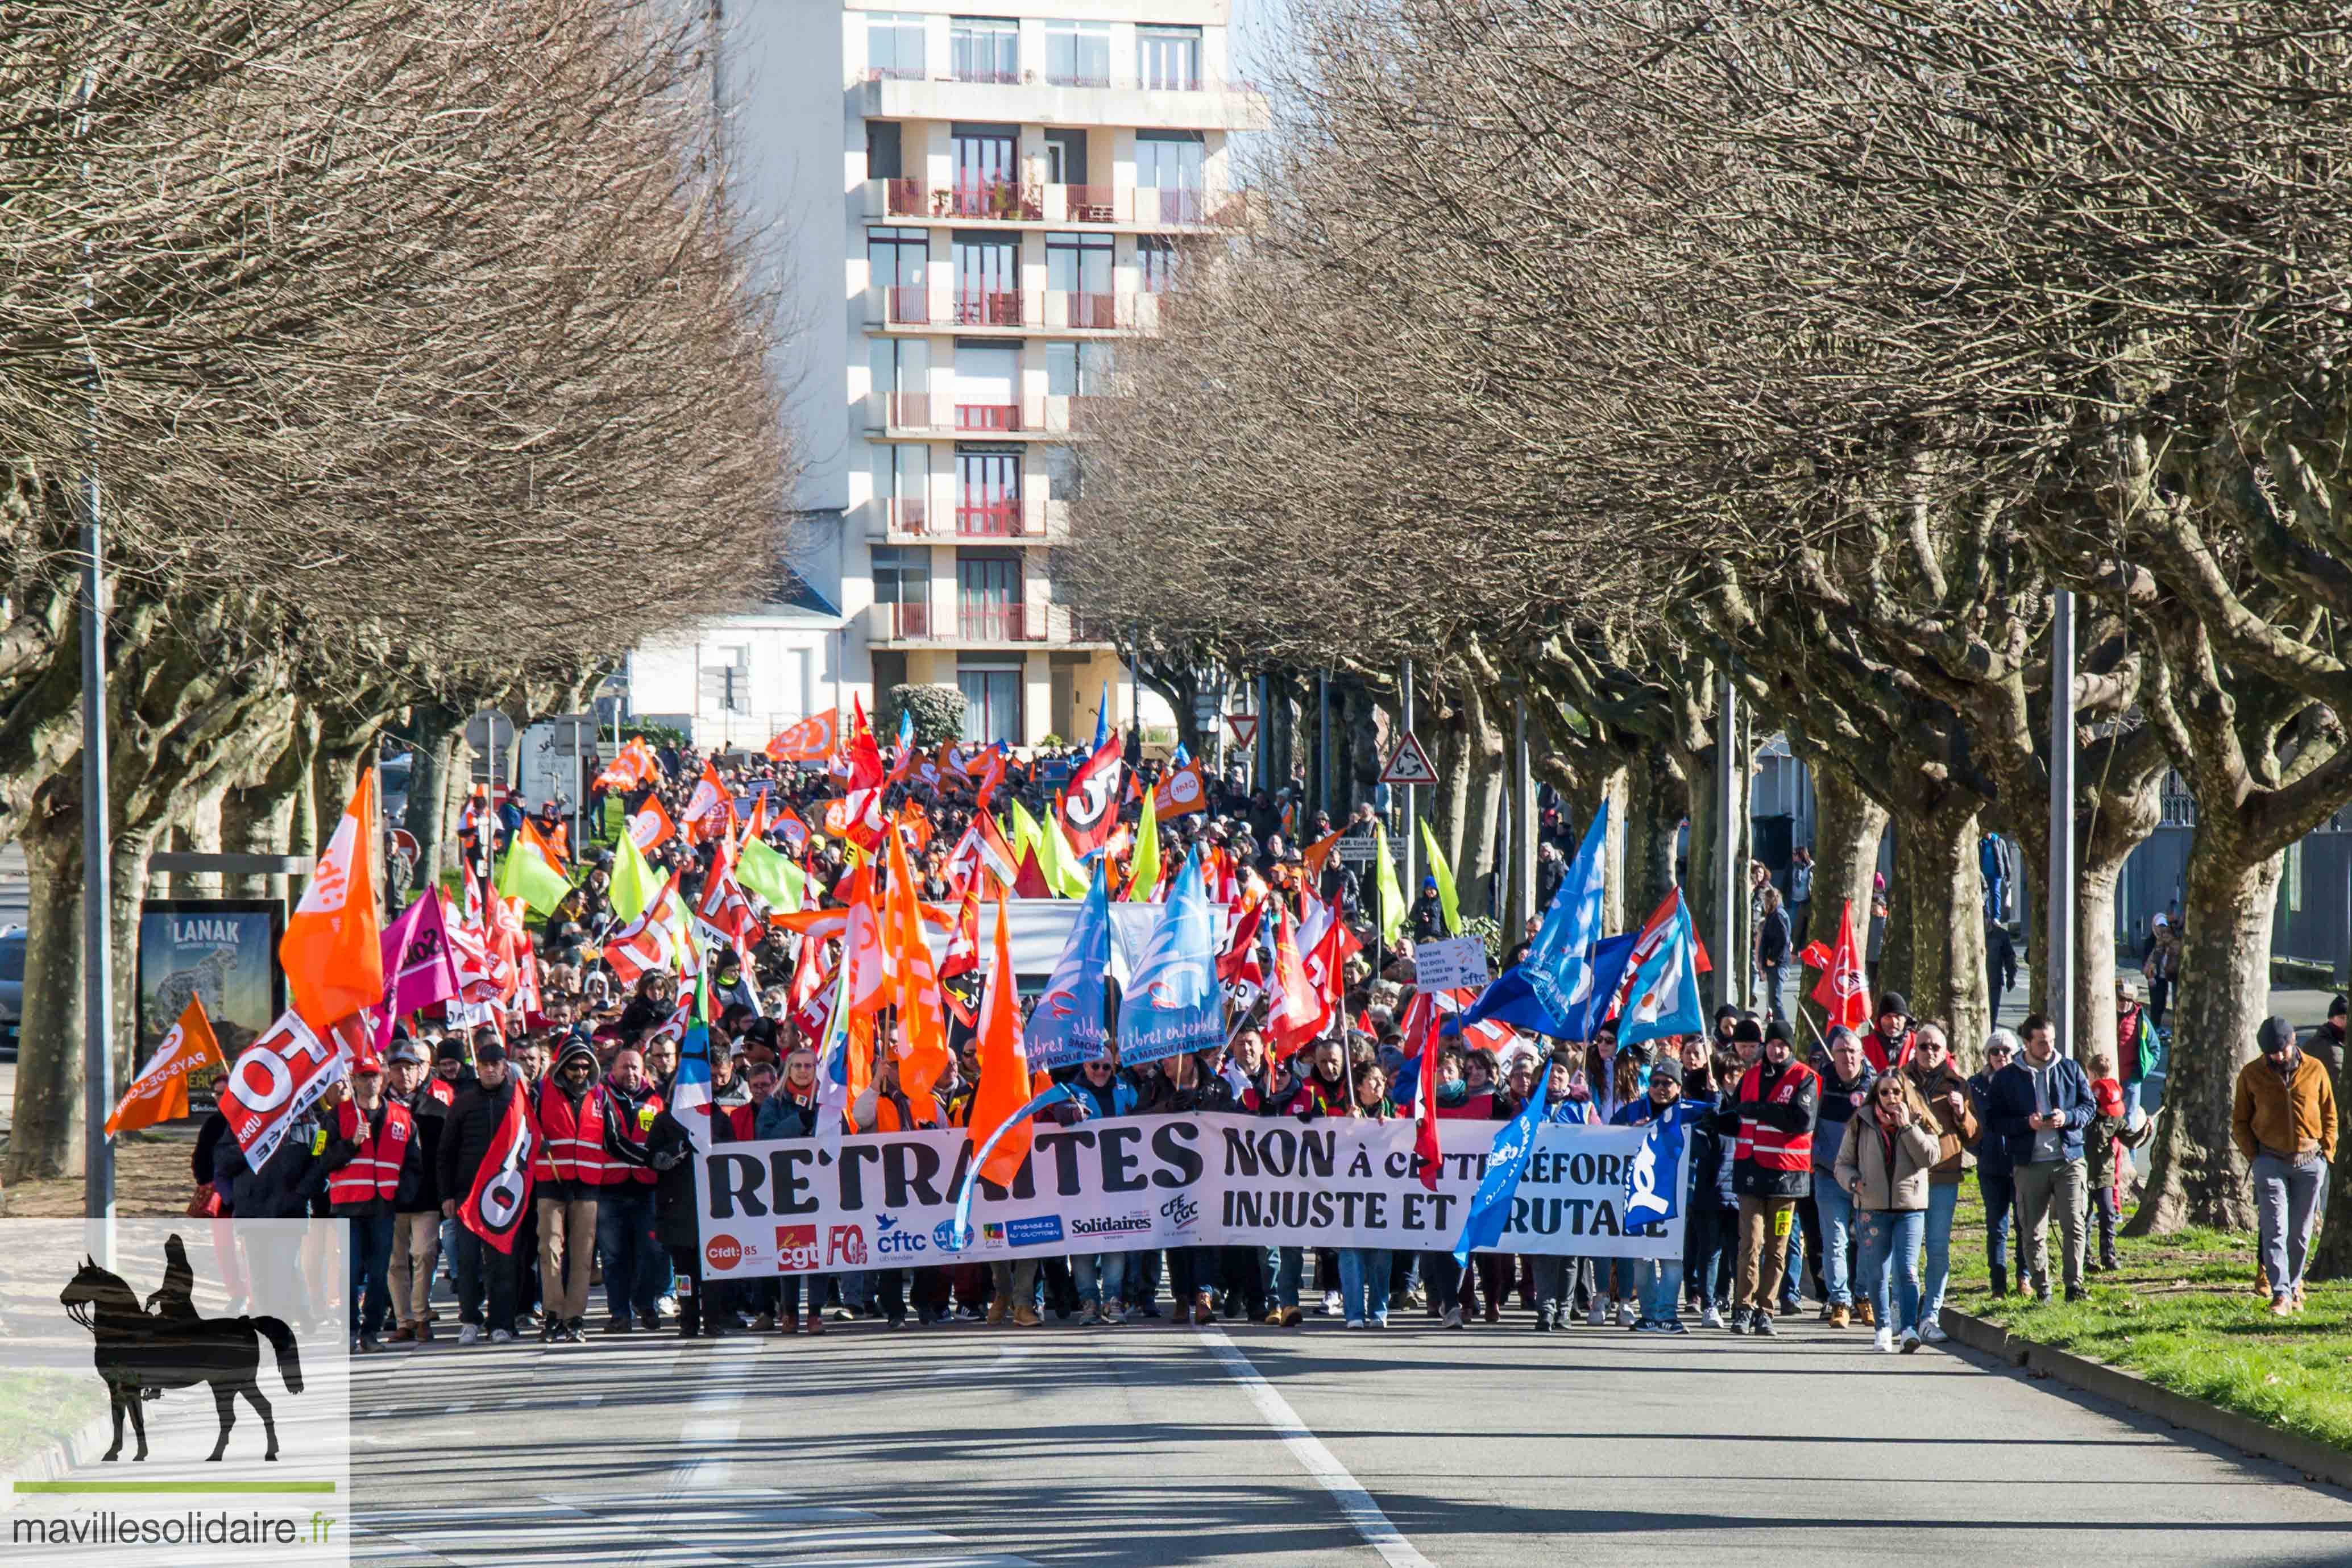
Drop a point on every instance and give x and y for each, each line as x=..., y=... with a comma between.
x=205, y=1204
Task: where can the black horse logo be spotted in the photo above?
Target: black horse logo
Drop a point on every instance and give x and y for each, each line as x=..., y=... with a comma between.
x=141, y=1353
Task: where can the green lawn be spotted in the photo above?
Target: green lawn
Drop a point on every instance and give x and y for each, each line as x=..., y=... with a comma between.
x=2182, y=1311
x=39, y=1408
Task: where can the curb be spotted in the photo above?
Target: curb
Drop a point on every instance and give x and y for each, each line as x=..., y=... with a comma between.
x=2317, y=1460
x=66, y=1455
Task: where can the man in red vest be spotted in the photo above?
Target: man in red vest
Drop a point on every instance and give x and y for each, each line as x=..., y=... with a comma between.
x=568, y=1172
x=624, y=1207
x=374, y=1152
x=1771, y=1115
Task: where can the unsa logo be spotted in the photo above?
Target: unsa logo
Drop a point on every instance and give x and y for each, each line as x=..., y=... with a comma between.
x=723, y=1252
x=943, y=1235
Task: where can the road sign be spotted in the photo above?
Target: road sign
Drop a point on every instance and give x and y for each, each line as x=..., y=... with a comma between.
x=1408, y=764
x=405, y=842
x=1359, y=849
x=1244, y=728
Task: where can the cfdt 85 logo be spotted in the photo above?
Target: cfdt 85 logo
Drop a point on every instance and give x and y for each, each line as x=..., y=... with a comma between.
x=723, y=1252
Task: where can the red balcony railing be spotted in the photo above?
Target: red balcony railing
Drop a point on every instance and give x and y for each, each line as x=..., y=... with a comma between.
x=909, y=408
x=909, y=303
x=906, y=514
x=1094, y=310
x=906, y=198
x=997, y=519
x=1089, y=204
x=998, y=623
x=908, y=621
x=987, y=308
x=986, y=75
x=988, y=416
x=997, y=198
x=1180, y=206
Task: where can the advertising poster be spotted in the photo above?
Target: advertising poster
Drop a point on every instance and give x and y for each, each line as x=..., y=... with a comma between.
x=224, y=950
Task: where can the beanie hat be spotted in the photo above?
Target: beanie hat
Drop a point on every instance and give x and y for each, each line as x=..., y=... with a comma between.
x=2277, y=1035
x=1667, y=1068
x=1893, y=1002
x=1747, y=1030
x=1781, y=1031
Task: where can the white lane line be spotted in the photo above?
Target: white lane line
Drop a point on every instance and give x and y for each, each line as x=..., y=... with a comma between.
x=1318, y=1461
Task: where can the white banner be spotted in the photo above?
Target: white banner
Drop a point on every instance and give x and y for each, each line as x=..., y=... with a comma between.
x=1130, y=1184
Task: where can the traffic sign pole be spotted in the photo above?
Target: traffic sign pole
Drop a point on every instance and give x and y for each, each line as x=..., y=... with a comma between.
x=1412, y=844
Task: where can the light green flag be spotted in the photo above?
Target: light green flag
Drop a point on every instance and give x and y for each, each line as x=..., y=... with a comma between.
x=635, y=885
x=1145, y=866
x=525, y=874
x=1066, y=874
x=1025, y=836
x=1384, y=884
x=1443, y=876
x=773, y=876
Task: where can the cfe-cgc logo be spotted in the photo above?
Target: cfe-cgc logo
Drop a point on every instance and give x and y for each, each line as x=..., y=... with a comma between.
x=1179, y=1212
x=797, y=1248
x=723, y=1252
x=844, y=1244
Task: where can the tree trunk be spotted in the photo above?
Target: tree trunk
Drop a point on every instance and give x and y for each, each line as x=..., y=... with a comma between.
x=1710, y=817
x=132, y=846
x=2124, y=815
x=1894, y=953
x=1946, y=910
x=436, y=729
x=1657, y=803
x=259, y=819
x=203, y=836
x=1476, y=863
x=1848, y=826
x=2196, y=1175
x=45, y=1136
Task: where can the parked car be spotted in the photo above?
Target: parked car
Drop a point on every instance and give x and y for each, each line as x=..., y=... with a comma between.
x=12, y=985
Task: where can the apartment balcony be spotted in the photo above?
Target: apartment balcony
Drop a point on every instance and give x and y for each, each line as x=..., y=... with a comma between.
x=1029, y=520
x=990, y=307
x=1030, y=98
x=990, y=623
x=921, y=416
x=936, y=307
x=1002, y=204
x=905, y=623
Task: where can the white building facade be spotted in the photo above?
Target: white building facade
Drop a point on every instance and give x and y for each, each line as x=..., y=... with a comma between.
x=971, y=213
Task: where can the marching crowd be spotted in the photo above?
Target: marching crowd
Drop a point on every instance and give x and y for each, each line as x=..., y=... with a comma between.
x=1831, y=1173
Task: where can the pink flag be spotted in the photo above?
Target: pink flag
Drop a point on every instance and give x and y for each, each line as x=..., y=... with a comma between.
x=419, y=969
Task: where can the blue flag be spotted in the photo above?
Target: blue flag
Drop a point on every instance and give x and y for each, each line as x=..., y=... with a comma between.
x=1610, y=956
x=1181, y=758
x=1102, y=717
x=689, y=1090
x=1068, y=1026
x=1172, y=1002
x=1653, y=1185
x=1490, y=1207
x=906, y=726
x=1665, y=998
x=1559, y=964
x=960, y=1236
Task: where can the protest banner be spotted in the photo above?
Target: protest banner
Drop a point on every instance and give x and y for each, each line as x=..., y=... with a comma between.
x=1130, y=1184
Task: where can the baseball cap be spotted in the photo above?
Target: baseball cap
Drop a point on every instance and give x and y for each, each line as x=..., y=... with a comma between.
x=367, y=1062
x=2277, y=1035
x=407, y=1053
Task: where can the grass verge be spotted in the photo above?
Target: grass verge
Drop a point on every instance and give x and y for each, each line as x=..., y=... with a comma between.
x=40, y=1408
x=2181, y=1310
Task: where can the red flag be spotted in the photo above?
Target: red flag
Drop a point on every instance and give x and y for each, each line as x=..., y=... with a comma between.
x=1029, y=882
x=1844, y=988
x=159, y=1092
x=924, y=1058
x=788, y=823
x=810, y=741
x=1091, y=803
x=1240, y=960
x=1295, y=1012
x=1653, y=935
x=963, y=945
x=991, y=778
x=864, y=756
x=332, y=952
x=870, y=980
x=501, y=1197
x=706, y=807
x=651, y=824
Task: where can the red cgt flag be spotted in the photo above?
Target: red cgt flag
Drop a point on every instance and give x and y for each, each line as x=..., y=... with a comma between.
x=1844, y=988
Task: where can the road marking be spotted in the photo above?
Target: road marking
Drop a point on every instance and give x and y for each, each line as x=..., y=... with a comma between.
x=1318, y=1461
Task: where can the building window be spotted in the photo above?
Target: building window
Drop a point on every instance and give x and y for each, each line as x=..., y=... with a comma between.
x=988, y=492
x=1078, y=369
x=992, y=703
x=987, y=281
x=988, y=595
x=902, y=483
x=1062, y=474
x=1155, y=263
x=883, y=160
x=726, y=679
x=894, y=48
x=1077, y=53
x=1078, y=267
x=2290, y=883
x=985, y=48
x=1170, y=57
x=902, y=589
x=1171, y=177
x=896, y=255
x=987, y=174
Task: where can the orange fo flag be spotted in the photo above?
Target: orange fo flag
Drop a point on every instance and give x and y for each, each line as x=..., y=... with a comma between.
x=332, y=952
x=159, y=1092
x=1003, y=1090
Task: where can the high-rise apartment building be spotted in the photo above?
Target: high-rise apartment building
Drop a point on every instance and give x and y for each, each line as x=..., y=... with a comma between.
x=973, y=212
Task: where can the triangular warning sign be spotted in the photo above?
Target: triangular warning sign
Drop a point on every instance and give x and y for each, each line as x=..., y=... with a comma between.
x=1244, y=728
x=1408, y=764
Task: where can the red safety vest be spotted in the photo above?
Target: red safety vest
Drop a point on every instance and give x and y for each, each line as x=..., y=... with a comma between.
x=374, y=1171
x=1770, y=1148
x=571, y=1147
x=442, y=1089
x=632, y=1129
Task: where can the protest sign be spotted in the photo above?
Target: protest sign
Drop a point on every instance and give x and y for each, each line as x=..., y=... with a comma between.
x=1450, y=963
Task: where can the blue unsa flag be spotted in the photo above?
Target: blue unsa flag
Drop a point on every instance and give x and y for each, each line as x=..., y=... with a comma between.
x=1490, y=1205
x=1654, y=1179
x=1559, y=964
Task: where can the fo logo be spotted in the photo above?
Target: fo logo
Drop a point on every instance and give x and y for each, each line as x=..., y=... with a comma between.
x=723, y=1252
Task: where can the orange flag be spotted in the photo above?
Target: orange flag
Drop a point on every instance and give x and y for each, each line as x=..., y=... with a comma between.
x=332, y=952
x=1004, y=1065
x=159, y=1092
x=1315, y=854
x=924, y=1058
x=537, y=840
x=863, y=949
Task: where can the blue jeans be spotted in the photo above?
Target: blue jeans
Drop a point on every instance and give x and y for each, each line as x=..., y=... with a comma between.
x=1890, y=1263
x=1796, y=1265
x=1662, y=1288
x=1613, y=1277
x=1100, y=1277
x=1999, y=1185
x=625, y=1241
x=1941, y=1202
x=1836, y=1209
x=371, y=1255
x=1284, y=1266
x=1364, y=1284
x=1715, y=1251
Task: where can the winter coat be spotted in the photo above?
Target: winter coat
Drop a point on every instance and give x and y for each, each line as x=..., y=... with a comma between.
x=670, y=1150
x=286, y=1184
x=2011, y=1102
x=467, y=1131
x=1885, y=1172
x=1956, y=1132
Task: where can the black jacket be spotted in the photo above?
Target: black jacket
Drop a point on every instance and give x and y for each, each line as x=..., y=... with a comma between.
x=431, y=1117
x=1773, y=938
x=670, y=1150
x=467, y=1131
x=288, y=1182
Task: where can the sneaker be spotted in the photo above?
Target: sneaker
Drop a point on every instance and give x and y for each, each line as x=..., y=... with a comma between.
x=1380, y=1320
x=1626, y=1315
x=2077, y=1293
x=500, y=1337
x=1659, y=1326
x=1711, y=1319
x=1091, y=1318
x=1331, y=1308
x=2282, y=1306
x=1761, y=1323
x=1452, y=1319
x=1882, y=1342
x=1598, y=1316
x=470, y=1334
x=1673, y=1326
x=1910, y=1340
x=621, y=1326
x=1933, y=1332
x=898, y=1320
x=1355, y=1322
x=1739, y=1316
x=1547, y=1319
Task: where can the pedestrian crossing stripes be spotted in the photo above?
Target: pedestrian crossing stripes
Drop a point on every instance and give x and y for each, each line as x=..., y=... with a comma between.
x=734, y=1527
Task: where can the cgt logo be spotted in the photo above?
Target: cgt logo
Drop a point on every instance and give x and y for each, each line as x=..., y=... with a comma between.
x=723, y=1252
x=890, y=1241
x=797, y=1248
x=1179, y=1212
x=844, y=1244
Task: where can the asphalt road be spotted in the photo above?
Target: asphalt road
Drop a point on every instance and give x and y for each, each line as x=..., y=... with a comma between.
x=1161, y=1445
